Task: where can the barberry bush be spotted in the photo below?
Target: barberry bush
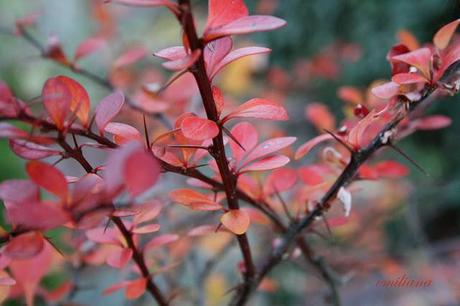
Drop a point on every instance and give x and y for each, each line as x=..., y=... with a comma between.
x=175, y=174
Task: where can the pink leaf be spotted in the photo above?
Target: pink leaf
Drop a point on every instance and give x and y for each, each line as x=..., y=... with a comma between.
x=444, y=35
x=197, y=128
x=172, y=53
x=122, y=133
x=48, y=177
x=386, y=91
x=103, y=235
x=236, y=220
x=107, y=109
x=258, y=108
x=266, y=163
x=268, y=147
x=118, y=259
x=88, y=46
x=245, y=25
x=130, y=57
x=214, y=53
x=160, y=241
x=141, y=171
x=11, y=132
x=183, y=63
x=247, y=136
x=433, y=122
x=218, y=99
x=309, y=145
x=31, y=151
x=146, y=229
x=19, y=191
x=235, y=55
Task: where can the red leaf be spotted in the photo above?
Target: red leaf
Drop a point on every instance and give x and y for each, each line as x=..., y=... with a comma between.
x=183, y=63
x=432, y=122
x=79, y=98
x=107, y=109
x=135, y=289
x=141, y=171
x=320, y=116
x=452, y=56
x=223, y=12
x=391, y=169
x=311, y=175
x=420, y=59
x=29, y=150
x=245, y=25
x=309, y=145
x=236, y=220
x=146, y=229
x=25, y=246
x=247, y=136
x=57, y=99
x=442, y=38
x=197, y=128
x=19, y=191
x=235, y=55
x=122, y=133
x=266, y=163
x=280, y=180
x=54, y=51
x=88, y=46
x=268, y=147
x=160, y=241
x=258, y=108
x=48, y=177
x=119, y=258
x=386, y=91
x=129, y=57
x=172, y=53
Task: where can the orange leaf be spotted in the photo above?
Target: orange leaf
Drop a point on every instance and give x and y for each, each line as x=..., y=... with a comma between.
x=236, y=220
x=48, y=177
x=442, y=38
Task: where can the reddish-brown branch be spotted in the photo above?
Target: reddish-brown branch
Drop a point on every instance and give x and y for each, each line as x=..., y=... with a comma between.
x=217, y=150
x=138, y=256
x=295, y=229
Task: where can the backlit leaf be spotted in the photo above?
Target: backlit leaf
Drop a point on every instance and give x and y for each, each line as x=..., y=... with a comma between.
x=442, y=38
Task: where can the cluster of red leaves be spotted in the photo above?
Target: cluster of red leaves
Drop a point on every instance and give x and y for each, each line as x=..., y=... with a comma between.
x=117, y=190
